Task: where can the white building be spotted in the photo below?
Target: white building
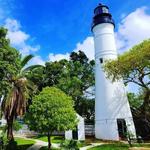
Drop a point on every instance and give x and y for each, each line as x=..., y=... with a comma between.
x=113, y=118
x=79, y=133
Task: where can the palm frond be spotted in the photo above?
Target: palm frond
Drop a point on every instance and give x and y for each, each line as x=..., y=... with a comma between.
x=25, y=60
x=30, y=68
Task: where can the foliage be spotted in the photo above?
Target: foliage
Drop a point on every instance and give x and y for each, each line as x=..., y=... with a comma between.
x=76, y=80
x=75, y=77
x=51, y=110
x=3, y=138
x=37, y=76
x=134, y=66
x=135, y=100
x=53, y=71
x=15, y=101
x=14, y=88
x=70, y=145
x=9, y=62
x=16, y=125
x=86, y=109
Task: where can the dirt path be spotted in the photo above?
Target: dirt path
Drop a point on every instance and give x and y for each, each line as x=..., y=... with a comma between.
x=37, y=145
x=91, y=146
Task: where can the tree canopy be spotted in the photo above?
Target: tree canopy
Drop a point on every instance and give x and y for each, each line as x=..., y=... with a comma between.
x=51, y=110
x=15, y=100
x=10, y=62
x=132, y=66
x=77, y=77
x=74, y=76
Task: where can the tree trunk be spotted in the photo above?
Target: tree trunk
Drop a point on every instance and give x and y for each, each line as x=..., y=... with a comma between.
x=146, y=104
x=49, y=140
x=10, y=136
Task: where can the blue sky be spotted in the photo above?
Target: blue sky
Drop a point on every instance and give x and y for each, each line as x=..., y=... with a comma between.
x=51, y=29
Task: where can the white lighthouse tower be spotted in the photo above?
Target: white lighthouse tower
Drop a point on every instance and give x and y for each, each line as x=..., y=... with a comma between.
x=113, y=118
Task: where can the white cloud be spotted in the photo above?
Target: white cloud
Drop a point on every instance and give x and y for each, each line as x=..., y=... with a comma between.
x=12, y=24
x=37, y=60
x=19, y=38
x=87, y=46
x=57, y=57
x=26, y=49
x=134, y=28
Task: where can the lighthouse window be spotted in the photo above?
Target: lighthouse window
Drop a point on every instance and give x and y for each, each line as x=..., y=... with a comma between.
x=98, y=11
x=101, y=60
x=105, y=10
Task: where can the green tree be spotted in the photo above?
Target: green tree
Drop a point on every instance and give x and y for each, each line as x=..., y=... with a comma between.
x=77, y=77
x=9, y=62
x=135, y=100
x=133, y=66
x=53, y=71
x=51, y=110
x=15, y=101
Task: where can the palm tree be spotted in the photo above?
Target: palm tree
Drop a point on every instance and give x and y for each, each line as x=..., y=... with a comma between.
x=14, y=103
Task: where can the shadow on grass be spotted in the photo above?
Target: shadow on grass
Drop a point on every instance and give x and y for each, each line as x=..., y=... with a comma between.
x=111, y=147
x=54, y=139
x=45, y=148
x=58, y=137
x=23, y=147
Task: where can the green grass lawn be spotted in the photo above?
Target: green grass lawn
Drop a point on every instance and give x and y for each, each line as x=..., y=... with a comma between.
x=22, y=141
x=45, y=148
x=118, y=146
x=59, y=139
x=23, y=144
x=83, y=144
x=54, y=139
x=111, y=147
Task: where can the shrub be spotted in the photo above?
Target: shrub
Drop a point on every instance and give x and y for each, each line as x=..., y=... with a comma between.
x=70, y=145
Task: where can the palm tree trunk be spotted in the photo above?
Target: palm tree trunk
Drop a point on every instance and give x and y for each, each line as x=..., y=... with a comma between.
x=49, y=140
x=10, y=136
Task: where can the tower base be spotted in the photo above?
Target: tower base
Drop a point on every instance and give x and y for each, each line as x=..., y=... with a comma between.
x=115, y=129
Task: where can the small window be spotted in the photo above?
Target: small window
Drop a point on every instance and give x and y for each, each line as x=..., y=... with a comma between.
x=101, y=60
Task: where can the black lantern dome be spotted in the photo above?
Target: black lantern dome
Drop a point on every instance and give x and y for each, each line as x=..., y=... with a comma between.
x=102, y=15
